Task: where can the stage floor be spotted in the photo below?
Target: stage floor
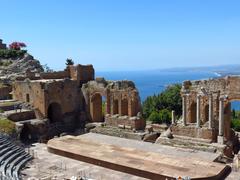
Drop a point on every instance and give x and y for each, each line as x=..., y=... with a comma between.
x=143, y=159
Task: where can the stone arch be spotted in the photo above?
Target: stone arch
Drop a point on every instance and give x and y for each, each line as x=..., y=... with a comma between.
x=193, y=112
x=55, y=112
x=124, y=107
x=96, y=107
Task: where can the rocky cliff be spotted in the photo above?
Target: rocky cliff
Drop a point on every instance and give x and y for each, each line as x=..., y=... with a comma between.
x=11, y=68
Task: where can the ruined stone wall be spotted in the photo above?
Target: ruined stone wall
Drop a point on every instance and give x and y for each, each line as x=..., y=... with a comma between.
x=81, y=73
x=41, y=94
x=133, y=123
x=21, y=116
x=55, y=75
x=227, y=88
x=193, y=132
x=121, y=98
x=66, y=93
x=32, y=92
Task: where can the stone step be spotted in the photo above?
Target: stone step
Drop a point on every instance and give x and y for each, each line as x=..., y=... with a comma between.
x=186, y=143
x=10, y=167
x=12, y=158
x=9, y=153
x=6, y=149
x=197, y=140
x=19, y=166
x=7, y=161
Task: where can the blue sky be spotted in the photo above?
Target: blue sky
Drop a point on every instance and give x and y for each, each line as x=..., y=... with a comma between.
x=125, y=34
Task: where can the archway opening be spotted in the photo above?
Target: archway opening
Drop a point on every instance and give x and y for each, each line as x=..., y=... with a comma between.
x=54, y=113
x=124, y=107
x=206, y=113
x=235, y=115
x=115, y=107
x=96, y=108
x=193, y=112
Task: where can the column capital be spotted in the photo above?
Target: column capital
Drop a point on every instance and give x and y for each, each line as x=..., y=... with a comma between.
x=223, y=97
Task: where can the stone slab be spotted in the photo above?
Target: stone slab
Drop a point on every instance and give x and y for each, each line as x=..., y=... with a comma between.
x=135, y=161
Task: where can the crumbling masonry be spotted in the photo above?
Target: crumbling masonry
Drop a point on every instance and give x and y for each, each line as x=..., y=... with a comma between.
x=73, y=97
x=206, y=110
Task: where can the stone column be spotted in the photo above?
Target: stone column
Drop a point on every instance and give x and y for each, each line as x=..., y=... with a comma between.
x=221, y=121
x=210, y=113
x=173, y=117
x=198, y=111
x=184, y=110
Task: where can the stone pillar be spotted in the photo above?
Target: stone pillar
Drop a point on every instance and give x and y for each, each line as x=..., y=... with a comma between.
x=173, y=117
x=184, y=110
x=198, y=111
x=221, y=121
x=210, y=113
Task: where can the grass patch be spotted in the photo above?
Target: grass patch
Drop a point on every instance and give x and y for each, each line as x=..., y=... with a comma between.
x=7, y=126
x=7, y=104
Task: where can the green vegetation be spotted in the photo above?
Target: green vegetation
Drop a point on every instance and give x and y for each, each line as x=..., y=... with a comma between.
x=11, y=53
x=7, y=126
x=157, y=108
x=235, y=123
x=163, y=116
x=8, y=103
x=1, y=110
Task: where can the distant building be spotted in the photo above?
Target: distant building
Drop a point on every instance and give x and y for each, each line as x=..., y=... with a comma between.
x=2, y=46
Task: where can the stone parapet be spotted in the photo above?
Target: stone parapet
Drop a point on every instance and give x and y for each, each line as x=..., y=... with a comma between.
x=135, y=123
x=194, y=132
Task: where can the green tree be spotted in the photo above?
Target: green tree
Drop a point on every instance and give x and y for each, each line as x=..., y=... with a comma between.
x=169, y=99
x=165, y=116
x=69, y=62
x=154, y=117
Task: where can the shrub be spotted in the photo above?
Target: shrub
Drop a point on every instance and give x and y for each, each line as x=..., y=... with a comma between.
x=17, y=45
x=236, y=124
x=163, y=116
x=11, y=53
x=7, y=126
x=154, y=117
x=169, y=99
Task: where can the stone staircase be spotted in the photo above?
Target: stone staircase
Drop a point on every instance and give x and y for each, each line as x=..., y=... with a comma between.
x=12, y=159
x=189, y=143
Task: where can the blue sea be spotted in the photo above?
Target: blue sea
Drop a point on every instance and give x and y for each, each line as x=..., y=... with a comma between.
x=155, y=81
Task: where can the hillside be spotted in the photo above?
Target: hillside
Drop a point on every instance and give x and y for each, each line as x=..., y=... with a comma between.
x=16, y=64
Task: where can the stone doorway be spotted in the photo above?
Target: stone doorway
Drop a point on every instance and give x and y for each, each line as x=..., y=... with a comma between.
x=193, y=112
x=124, y=107
x=55, y=113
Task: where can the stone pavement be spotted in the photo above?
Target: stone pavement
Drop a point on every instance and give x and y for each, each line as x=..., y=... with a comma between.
x=138, y=158
x=50, y=166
